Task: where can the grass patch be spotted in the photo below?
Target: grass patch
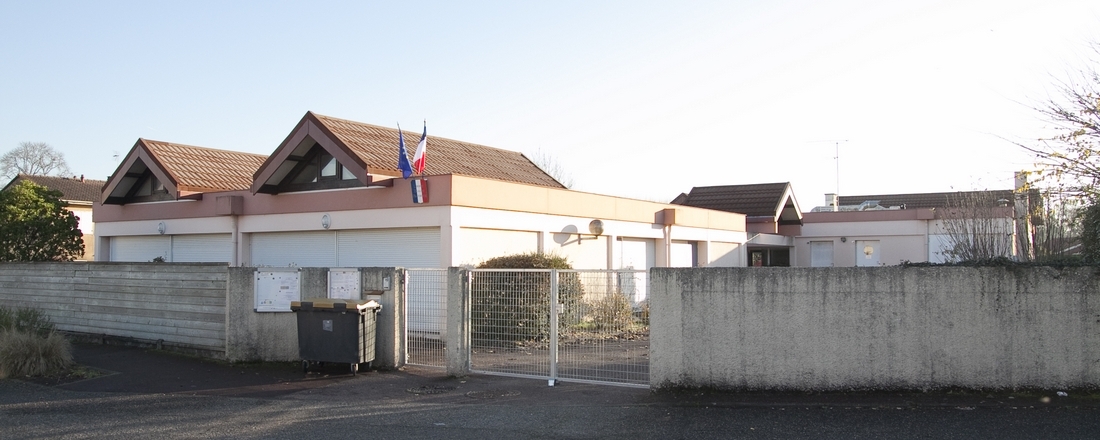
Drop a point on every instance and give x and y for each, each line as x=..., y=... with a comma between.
x=28, y=354
x=30, y=346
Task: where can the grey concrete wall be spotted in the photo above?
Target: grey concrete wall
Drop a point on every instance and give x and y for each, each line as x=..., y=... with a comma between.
x=273, y=336
x=874, y=328
x=457, y=336
x=182, y=305
x=258, y=336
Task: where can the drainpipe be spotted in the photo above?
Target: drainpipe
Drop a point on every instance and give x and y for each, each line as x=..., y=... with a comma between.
x=236, y=240
x=667, y=217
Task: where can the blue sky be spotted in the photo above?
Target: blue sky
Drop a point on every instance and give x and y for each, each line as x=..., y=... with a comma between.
x=639, y=99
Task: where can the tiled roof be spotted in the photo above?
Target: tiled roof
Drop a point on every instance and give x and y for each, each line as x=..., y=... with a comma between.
x=205, y=169
x=74, y=189
x=924, y=200
x=377, y=146
x=754, y=200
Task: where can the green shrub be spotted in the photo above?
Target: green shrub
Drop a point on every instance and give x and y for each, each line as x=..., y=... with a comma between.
x=29, y=354
x=515, y=306
x=25, y=320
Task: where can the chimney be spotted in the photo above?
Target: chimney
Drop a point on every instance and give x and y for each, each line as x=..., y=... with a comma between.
x=81, y=178
x=833, y=201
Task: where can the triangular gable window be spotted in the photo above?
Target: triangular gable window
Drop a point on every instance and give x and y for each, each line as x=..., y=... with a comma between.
x=317, y=169
x=139, y=184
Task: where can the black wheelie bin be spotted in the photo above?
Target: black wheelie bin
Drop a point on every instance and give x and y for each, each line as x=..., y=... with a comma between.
x=336, y=331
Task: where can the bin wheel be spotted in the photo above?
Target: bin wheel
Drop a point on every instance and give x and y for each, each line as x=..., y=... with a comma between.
x=305, y=366
x=354, y=369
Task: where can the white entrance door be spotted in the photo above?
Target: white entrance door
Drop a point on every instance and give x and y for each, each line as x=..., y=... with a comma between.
x=867, y=253
x=821, y=254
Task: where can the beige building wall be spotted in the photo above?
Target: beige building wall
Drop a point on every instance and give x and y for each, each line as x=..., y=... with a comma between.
x=477, y=219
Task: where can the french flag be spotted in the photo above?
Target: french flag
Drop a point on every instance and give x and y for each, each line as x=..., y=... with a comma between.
x=420, y=190
x=421, y=152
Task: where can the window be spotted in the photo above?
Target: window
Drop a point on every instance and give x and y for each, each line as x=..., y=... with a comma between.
x=318, y=169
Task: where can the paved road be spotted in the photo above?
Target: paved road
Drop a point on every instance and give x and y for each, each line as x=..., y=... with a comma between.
x=157, y=395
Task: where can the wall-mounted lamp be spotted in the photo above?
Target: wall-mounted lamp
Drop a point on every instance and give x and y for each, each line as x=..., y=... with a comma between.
x=326, y=221
x=843, y=239
x=161, y=228
x=595, y=227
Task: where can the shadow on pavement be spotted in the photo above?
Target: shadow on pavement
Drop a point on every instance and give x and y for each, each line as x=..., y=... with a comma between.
x=135, y=370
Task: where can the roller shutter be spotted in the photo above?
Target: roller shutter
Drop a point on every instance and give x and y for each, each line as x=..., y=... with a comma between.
x=140, y=248
x=301, y=249
x=202, y=248
x=404, y=247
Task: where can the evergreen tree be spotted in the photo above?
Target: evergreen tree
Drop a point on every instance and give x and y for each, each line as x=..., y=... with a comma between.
x=35, y=226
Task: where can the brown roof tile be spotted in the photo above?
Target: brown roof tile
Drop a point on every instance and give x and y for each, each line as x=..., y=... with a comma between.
x=377, y=146
x=754, y=200
x=74, y=189
x=205, y=169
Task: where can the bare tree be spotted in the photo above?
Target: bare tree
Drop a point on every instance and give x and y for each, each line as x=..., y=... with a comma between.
x=552, y=167
x=1070, y=161
x=1056, y=230
x=34, y=158
x=979, y=226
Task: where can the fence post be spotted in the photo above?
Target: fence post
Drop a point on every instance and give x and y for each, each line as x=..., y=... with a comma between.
x=457, y=338
x=554, y=309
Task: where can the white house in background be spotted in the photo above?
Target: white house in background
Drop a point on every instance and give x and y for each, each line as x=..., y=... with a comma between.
x=79, y=193
x=330, y=195
x=889, y=229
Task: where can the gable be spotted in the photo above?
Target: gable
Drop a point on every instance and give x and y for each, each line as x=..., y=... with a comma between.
x=764, y=200
x=157, y=170
x=369, y=153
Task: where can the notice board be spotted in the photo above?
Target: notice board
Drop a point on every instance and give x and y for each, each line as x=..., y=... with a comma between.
x=275, y=289
x=343, y=283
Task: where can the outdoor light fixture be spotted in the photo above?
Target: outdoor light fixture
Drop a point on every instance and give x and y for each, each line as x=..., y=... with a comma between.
x=326, y=221
x=161, y=228
x=595, y=227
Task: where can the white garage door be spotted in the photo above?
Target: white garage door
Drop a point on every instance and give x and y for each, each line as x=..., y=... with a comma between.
x=301, y=249
x=140, y=248
x=202, y=248
x=404, y=247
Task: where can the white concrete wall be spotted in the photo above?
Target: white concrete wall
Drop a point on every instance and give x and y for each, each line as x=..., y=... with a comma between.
x=874, y=328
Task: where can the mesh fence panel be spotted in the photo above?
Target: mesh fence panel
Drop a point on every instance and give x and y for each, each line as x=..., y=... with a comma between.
x=602, y=325
x=605, y=338
x=509, y=322
x=427, y=317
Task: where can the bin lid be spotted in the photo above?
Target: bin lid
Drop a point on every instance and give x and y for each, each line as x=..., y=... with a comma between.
x=336, y=305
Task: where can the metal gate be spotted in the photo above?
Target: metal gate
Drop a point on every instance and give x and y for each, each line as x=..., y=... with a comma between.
x=577, y=325
x=426, y=323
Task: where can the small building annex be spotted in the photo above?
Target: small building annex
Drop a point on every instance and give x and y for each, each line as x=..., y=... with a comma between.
x=773, y=216
x=889, y=229
x=330, y=195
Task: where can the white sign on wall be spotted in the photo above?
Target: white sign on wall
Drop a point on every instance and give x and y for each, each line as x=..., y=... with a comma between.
x=275, y=289
x=343, y=283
